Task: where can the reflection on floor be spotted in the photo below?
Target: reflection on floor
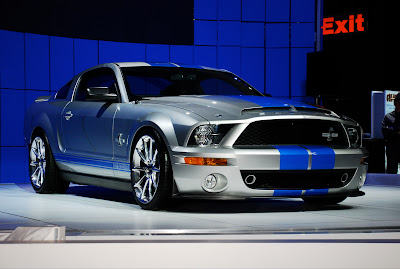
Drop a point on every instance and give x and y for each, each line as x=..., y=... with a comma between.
x=87, y=210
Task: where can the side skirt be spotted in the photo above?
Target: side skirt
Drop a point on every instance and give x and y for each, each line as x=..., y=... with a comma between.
x=106, y=182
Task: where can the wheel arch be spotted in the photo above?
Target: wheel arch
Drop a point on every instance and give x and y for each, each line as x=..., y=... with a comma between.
x=158, y=122
x=42, y=124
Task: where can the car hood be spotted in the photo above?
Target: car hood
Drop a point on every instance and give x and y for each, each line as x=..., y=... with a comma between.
x=212, y=107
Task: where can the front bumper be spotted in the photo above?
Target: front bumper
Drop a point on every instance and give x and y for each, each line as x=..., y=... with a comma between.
x=190, y=179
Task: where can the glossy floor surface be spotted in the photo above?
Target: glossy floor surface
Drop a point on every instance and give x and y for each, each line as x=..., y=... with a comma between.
x=87, y=210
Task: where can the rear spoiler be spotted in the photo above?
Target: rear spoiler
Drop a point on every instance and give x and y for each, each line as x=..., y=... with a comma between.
x=42, y=99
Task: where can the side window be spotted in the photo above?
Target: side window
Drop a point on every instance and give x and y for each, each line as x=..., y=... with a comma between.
x=99, y=85
x=63, y=92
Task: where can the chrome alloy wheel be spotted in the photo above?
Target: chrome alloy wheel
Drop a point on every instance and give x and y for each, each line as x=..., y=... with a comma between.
x=146, y=169
x=37, y=160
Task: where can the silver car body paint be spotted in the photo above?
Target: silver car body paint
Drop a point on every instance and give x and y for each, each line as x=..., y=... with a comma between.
x=88, y=139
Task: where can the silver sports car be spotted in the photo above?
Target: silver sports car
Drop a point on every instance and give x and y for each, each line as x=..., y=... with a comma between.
x=168, y=130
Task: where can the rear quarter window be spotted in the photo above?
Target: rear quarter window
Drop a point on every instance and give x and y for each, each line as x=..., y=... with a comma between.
x=63, y=92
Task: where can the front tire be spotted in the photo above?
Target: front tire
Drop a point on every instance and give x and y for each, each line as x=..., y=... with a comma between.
x=43, y=170
x=151, y=172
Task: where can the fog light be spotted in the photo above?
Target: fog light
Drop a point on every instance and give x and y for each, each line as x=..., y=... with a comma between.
x=210, y=182
x=215, y=183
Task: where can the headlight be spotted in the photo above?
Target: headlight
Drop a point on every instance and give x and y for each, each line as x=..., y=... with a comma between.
x=210, y=134
x=355, y=135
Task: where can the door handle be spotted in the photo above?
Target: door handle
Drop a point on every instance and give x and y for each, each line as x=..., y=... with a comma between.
x=68, y=115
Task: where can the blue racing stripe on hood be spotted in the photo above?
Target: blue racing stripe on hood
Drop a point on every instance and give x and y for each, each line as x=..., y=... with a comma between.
x=176, y=65
x=316, y=192
x=264, y=101
x=163, y=64
x=287, y=193
x=293, y=157
x=191, y=66
x=322, y=157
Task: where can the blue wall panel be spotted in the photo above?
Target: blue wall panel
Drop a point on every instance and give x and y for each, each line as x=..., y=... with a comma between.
x=229, y=10
x=110, y=52
x=299, y=71
x=252, y=34
x=303, y=34
x=229, y=33
x=277, y=10
x=205, y=9
x=12, y=74
x=12, y=117
x=229, y=58
x=14, y=165
x=86, y=54
x=264, y=41
x=205, y=33
x=303, y=10
x=252, y=63
x=37, y=62
x=277, y=35
x=205, y=56
x=121, y=52
x=277, y=72
x=181, y=54
x=157, y=53
x=253, y=10
x=61, y=61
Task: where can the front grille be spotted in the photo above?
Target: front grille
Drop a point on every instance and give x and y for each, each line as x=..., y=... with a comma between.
x=293, y=132
x=305, y=179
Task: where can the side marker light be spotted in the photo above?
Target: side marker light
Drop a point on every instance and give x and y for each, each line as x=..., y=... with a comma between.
x=206, y=161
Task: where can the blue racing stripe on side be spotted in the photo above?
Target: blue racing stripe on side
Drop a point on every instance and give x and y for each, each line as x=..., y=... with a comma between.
x=316, y=192
x=293, y=157
x=322, y=157
x=92, y=162
x=287, y=193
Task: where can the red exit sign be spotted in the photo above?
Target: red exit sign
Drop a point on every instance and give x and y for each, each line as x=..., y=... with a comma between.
x=355, y=23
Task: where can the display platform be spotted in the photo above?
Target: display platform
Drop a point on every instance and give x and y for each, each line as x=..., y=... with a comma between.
x=89, y=210
x=222, y=234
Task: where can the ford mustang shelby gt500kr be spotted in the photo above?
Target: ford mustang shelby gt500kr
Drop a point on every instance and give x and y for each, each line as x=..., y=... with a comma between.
x=164, y=131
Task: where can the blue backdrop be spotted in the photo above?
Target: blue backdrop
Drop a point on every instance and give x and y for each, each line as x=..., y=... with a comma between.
x=264, y=41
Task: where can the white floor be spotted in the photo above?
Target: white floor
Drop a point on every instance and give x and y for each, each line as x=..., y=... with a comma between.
x=106, y=229
x=87, y=211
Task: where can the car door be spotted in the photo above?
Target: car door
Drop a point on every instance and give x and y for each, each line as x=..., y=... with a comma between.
x=87, y=123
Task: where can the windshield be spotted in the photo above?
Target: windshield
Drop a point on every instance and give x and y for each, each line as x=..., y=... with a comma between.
x=173, y=81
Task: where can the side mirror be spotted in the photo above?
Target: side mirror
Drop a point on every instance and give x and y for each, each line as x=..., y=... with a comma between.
x=94, y=91
x=101, y=94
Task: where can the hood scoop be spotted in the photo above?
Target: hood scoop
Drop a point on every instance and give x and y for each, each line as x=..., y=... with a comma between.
x=289, y=110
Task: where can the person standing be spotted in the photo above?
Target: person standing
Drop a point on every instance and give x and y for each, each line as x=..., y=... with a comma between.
x=391, y=134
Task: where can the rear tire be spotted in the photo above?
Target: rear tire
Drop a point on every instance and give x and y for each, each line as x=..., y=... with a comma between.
x=43, y=170
x=151, y=171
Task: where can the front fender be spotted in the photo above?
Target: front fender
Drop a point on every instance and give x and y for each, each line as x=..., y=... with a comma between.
x=162, y=124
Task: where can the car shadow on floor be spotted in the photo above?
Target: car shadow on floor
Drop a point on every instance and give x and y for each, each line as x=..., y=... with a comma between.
x=101, y=193
x=209, y=206
x=250, y=206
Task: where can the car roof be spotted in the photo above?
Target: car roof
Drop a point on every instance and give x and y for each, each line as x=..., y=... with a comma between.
x=142, y=64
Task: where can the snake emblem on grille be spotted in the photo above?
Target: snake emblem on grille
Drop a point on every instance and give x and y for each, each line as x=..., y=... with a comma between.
x=329, y=136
